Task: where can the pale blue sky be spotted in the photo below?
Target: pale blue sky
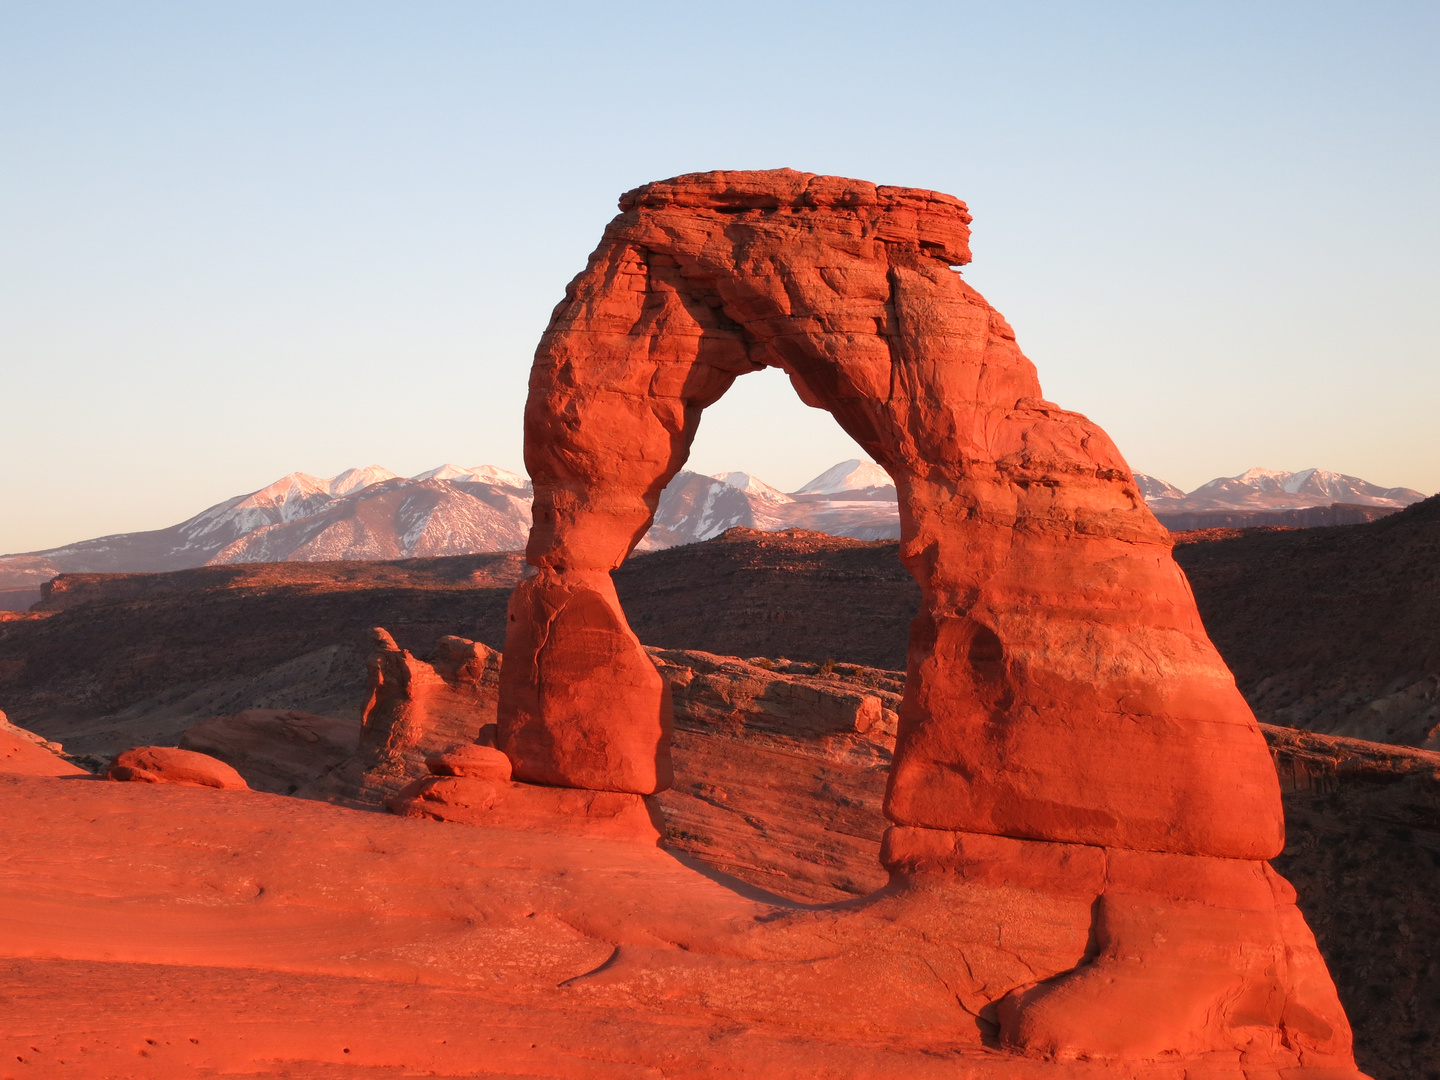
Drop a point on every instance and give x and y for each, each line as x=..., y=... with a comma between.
x=238, y=240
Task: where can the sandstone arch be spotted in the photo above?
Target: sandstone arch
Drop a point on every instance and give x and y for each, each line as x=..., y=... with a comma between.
x=1061, y=685
x=1075, y=768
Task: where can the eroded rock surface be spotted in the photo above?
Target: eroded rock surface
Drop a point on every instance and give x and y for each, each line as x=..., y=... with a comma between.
x=780, y=771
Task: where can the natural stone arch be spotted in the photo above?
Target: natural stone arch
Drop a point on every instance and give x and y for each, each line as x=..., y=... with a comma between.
x=1061, y=686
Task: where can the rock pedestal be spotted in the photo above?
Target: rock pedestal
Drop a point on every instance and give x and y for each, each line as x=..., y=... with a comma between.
x=1061, y=688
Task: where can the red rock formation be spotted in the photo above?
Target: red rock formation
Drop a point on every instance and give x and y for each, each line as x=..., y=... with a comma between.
x=168, y=765
x=595, y=957
x=726, y=692
x=1058, y=644
x=414, y=709
x=1061, y=688
x=418, y=705
x=500, y=804
x=470, y=784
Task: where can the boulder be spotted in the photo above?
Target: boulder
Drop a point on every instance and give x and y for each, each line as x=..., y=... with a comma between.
x=171, y=765
x=471, y=760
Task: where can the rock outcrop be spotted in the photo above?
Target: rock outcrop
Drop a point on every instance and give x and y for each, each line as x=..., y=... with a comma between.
x=724, y=692
x=1331, y=630
x=415, y=708
x=780, y=771
x=169, y=765
x=1066, y=726
x=24, y=753
x=471, y=760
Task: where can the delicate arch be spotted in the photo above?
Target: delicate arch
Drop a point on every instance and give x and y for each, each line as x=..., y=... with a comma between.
x=1060, y=685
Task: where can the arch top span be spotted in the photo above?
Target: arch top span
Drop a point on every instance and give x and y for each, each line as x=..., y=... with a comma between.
x=1060, y=686
x=937, y=223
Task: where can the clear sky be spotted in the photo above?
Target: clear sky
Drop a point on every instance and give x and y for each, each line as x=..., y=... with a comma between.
x=238, y=240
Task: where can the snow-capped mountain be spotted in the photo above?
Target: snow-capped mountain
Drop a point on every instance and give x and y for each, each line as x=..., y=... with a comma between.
x=480, y=474
x=845, y=500
x=373, y=513
x=357, y=479
x=369, y=513
x=852, y=475
x=1151, y=488
x=1270, y=489
x=694, y=507
x=395, y=519
x=752, y=486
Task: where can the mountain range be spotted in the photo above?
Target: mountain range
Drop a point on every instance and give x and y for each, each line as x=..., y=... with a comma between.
x=373, y=513
x=1267, y=489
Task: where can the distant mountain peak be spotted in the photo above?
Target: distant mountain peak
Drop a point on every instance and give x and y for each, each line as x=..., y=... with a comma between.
x=478, y=474
x=853, y=475
x=1154, y=488
x=751, y=485
x=1257, y=474
x=359, y=479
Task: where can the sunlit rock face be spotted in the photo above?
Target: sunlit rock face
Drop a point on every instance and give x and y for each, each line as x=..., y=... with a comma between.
x=1067, y=736
x=1058, y=647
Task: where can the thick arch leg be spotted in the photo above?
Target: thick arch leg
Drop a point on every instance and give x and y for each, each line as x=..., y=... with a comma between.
x=619, y=381
x=585, y=706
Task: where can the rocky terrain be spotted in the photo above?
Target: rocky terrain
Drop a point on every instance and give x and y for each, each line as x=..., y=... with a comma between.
x=1345, y=640
x=120, y=659
x=95, y=671
x=261, y=630
x=780, y=790
x=1332, y=630
x=803, y=595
